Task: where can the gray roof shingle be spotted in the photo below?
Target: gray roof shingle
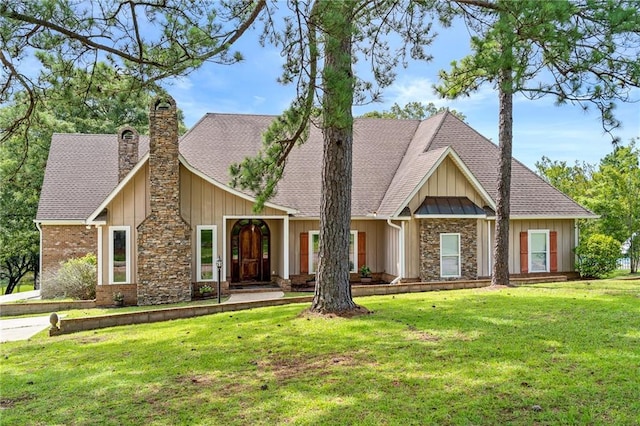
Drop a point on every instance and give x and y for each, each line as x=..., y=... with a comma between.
x=81, y=171
x=390, y=157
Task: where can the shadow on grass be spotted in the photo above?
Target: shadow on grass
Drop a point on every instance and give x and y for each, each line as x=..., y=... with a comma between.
x=448, y=357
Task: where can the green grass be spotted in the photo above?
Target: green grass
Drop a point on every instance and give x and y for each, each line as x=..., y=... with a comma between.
x=454, y=357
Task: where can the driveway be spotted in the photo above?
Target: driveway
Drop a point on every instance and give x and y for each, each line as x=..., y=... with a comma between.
x=12, y=330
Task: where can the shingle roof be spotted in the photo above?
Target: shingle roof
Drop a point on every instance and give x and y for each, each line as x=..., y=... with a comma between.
x=530, y=194
x=379, y=146
x=390, y=157
x=81, y=171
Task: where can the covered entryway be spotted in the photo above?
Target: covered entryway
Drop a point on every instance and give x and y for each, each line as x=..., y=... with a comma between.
x=250, y=251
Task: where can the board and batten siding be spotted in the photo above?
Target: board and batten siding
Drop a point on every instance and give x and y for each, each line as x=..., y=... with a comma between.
x=202, y=203
x=566, y=240
x=128, y=208
x=446, y=181
x=376, y=242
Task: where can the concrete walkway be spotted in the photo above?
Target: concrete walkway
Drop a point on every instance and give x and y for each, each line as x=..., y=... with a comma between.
x=252, y=297
x=25, y=295
x=12, y=330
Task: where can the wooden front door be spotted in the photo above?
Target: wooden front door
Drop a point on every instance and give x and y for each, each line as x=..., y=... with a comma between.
x=250, y=253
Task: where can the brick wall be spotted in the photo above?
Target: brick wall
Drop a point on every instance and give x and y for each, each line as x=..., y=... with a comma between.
x=164, y=238
x=430, y=230
x=62, y=242
x=105, y=292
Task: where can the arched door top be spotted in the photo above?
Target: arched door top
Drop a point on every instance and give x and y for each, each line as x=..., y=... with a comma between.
x=250, y=251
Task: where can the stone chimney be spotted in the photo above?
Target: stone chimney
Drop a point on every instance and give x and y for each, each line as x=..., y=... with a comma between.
x=164, y=238
x=128, y=139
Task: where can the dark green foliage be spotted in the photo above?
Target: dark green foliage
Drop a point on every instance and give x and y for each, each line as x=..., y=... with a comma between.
x=581, y=52
x=110, y=101
x=144, y=42
x=598, y=256
x=412, y=111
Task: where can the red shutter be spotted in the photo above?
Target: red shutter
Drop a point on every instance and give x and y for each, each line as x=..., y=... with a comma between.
x=553, y=248
x=304, y=252
x=524, y=252
x=362, y=249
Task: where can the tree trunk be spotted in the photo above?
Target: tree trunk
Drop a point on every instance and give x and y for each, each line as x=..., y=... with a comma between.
x=505, y=136
x=333, y=291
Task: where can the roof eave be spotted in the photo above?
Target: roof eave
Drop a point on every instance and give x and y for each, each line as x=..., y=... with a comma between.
x=547, y=216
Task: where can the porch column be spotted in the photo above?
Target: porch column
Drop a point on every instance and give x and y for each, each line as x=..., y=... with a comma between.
x=285, y=237
x=99, y=254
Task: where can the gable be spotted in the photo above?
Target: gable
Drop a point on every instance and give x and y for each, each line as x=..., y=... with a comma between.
x=447, y=180
x=531, y=196
x=396, y=163
x=81, y=172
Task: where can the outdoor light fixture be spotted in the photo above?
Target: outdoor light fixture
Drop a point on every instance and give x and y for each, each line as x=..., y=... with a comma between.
x=219, y=265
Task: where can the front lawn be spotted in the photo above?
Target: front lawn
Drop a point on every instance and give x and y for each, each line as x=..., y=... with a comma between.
x=564, y=353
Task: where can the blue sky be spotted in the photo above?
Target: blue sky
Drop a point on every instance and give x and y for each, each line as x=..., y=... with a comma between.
x=540, y=128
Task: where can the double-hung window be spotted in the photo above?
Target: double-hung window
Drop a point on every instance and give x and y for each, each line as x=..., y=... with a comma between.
x=119, y=255
x=449, y=255
x=539, y=250
x=207, y=237
x=314, y=240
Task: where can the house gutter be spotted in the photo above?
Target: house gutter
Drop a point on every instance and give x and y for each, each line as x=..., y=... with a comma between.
x=39, y=255
x=401, y=250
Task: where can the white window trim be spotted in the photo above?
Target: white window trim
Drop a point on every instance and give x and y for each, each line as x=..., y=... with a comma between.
x=214, y=252
x=113, y=229
x=355, y=251
x=530, y=252
x=459, y=273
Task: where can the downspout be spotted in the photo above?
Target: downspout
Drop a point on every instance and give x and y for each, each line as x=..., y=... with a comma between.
x=39, y=256
x=400, y=250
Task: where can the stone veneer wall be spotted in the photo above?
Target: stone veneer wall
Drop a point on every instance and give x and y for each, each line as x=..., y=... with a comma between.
x=63, y=242
x=430, y=230
x=128, y=139
x=164, y=238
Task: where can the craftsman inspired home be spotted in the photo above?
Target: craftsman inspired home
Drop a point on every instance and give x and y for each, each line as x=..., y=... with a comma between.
x=158, y=211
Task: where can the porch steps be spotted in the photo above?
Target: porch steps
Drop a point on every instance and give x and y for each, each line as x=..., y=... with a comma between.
x=253, y=287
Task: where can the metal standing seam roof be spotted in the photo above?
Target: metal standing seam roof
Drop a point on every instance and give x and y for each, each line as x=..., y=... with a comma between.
x=390, y=157
x=449, y=206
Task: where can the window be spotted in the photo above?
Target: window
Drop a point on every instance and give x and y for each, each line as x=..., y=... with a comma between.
x=119, y=255
x=449, y=255
x=539, y=251
x=207, y=252
x=314, y=242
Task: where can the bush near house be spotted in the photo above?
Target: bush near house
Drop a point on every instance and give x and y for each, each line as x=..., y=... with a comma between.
x=76, y=278
x=598, y=256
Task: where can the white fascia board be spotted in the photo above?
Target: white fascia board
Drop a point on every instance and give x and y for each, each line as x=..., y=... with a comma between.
x=463, y=168
x=541, y=216
x=227, y=188
x=91, y=219
x=60, y=222
x=474, y=182
x=420, y=184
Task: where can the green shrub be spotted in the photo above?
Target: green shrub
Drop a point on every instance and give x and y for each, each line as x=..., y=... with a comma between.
x=598, y=256
x=76, y=279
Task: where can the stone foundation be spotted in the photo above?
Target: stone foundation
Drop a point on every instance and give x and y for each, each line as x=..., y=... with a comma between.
x=430, y=230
